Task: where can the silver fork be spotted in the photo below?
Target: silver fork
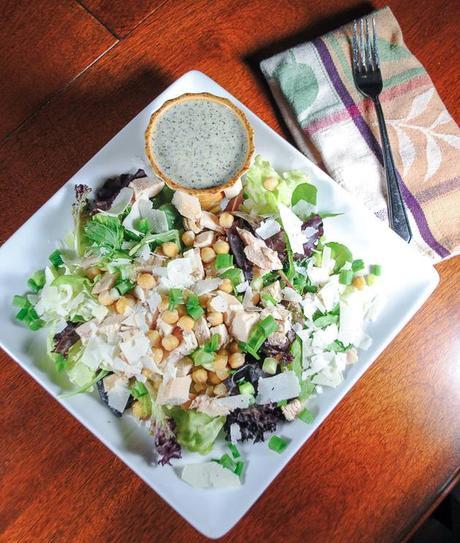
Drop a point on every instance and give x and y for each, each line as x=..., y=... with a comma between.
x=368, y=80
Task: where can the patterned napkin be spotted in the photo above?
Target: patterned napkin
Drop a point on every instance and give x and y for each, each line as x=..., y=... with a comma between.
x=334, y=125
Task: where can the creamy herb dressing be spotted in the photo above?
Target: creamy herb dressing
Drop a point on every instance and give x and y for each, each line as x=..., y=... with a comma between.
x=199, y=143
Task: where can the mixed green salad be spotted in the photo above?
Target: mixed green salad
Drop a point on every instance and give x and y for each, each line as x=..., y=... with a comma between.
x=200, y=323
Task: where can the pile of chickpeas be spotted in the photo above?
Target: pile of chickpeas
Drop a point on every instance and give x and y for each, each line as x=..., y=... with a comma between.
x=229, y=356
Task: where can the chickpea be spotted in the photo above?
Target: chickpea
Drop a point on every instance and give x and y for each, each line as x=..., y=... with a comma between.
x=106, y=298
x=255, y=298
x=234, y=348
x=170, y=249
x=170, y=317
x=204, y=299
x=359, y=282
x=226, y=219
x=215, y=318
x=163, y=305
x=226, y=286
x=213, y=378
x=200, y=375
x=123, y=304
x=221, y=360
x=188, y=237
x=270, y=183
x=154, y=338
x=222, y=374
x=146, y=281
x=157, y=355
x=220, y=390
x=221, y=247
x=207, y=254
x=181, y=310
x=236, y=360
x=92, y=272
x=186, y=323
x=199, y=387
x=169, y=343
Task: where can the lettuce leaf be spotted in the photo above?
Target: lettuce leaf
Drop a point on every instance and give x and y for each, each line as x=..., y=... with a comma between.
x=196, y=431
x=263, y=201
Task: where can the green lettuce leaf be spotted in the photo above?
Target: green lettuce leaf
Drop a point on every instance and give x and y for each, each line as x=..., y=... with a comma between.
x=196, y=431
x=266, y=202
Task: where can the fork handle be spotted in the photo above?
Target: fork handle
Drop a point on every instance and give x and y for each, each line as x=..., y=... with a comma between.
x=396, y=210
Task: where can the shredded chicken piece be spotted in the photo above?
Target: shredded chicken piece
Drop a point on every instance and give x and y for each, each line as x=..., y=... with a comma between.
x=105, y=283
x=258, y=253
x=292, y=409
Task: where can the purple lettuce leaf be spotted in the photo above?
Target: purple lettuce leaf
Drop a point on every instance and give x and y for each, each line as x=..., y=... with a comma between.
x=315, y=222
x=254, y=421
x=237, y=249
x=106, y=194
x=250, y=372
x=66, y=338
x=165, y=441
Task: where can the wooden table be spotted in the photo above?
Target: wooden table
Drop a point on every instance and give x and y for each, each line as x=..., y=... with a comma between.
x=72, y=74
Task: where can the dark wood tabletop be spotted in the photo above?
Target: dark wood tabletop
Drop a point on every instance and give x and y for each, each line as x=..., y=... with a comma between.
x=72, y=74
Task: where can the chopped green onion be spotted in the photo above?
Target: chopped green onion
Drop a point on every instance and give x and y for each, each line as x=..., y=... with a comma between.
x=37, y=281
x=268, y=299
x=257, y=283
x=212, y=345
x=55, y=258
x=268, y=325
x=175, y=297
x=20, y=301
x=246, y=388
x=59, y=361
x=138, y=390
x=234, y=274
x=375, y=269
x=202, y=358
x=371, y=279
x=306, y=416
x=277, y=444
x=227, y=462
x=124, y=286
x=248, y=349
x=239, y=468
x=346, y=277
x=357, y=265
x=193, y=307
x=270, y=366
x=142, y=225
x=235, y=452
x=223, y=262
x=35, y=324
x=269, y=278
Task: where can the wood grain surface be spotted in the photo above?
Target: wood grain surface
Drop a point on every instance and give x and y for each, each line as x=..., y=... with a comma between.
x=390, y=448
x=44, y=46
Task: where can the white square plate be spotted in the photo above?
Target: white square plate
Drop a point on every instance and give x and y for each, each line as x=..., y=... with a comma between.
x=408, y=278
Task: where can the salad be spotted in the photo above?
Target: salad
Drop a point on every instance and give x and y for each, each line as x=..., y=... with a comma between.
x=203, y=323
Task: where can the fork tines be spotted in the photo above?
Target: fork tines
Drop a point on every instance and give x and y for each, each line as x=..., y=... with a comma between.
x=365, y=51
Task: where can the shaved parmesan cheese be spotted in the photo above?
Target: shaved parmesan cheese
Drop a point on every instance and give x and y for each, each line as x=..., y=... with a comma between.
x=216, y=407
x=219, y=303
x=197, y=265
x=117, y=391
x=121, y=202
x=179, y=273
x=351, y=319
x=235, y=432
x=268, y=228
x=327, y=335
x=292, y=225
x=291, y=295
x=206, y=285
x=283, y=386
x=303, y=209
x=135, y=347
x=234, y=190
x=153, y=301
x=175, y=391
x=209, y=475
x=133, y=216
x=159, y=221
x=97, y=352
x=329, y=293
x=317, y=275
x=242, y=287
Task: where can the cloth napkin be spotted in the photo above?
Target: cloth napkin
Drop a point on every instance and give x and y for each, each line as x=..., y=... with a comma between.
x=334, y=125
